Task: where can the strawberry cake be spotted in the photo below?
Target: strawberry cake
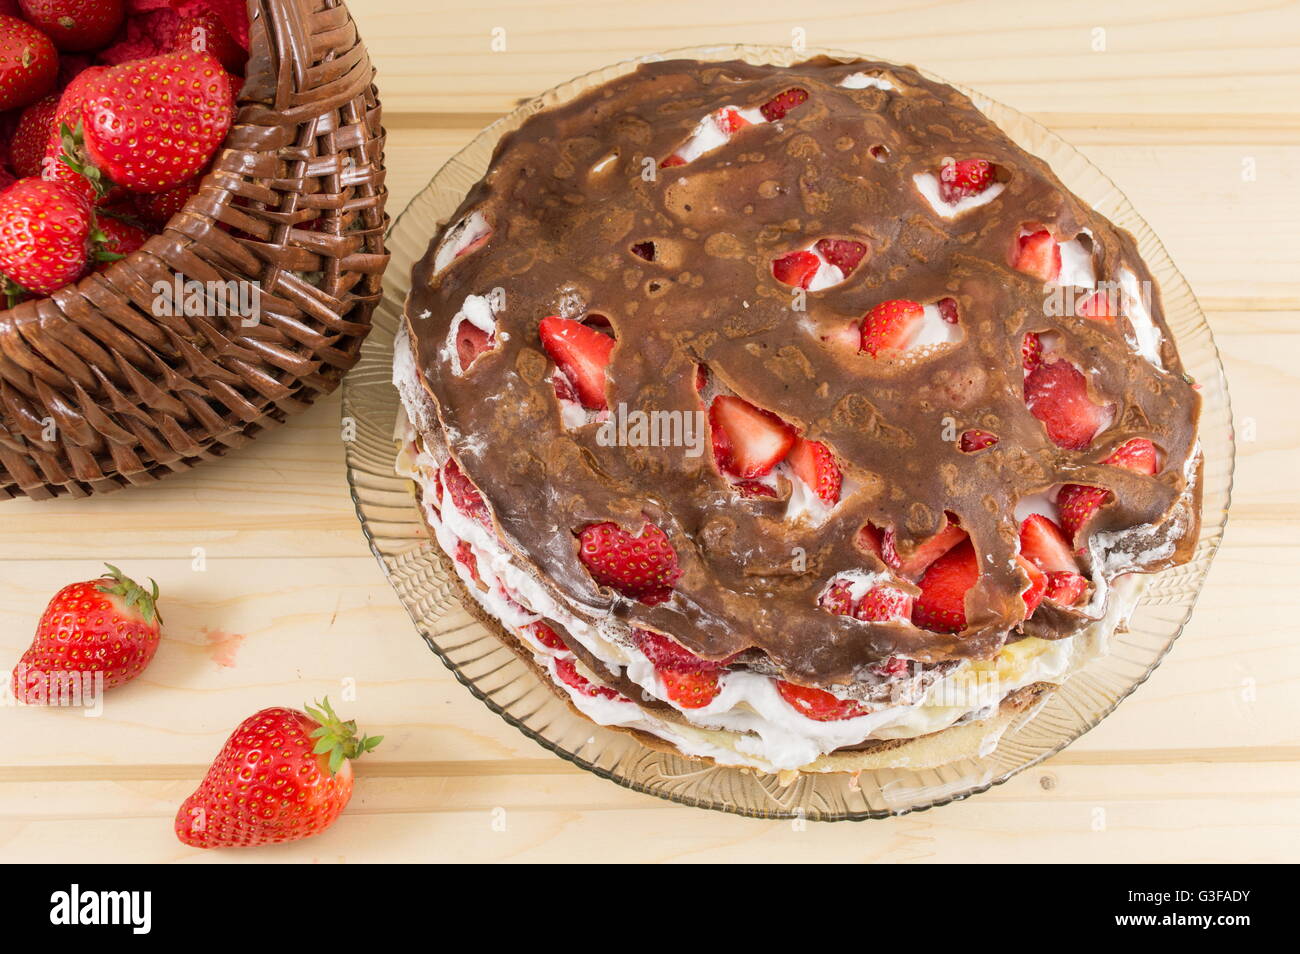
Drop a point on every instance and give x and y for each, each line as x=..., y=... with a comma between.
x=793, y=418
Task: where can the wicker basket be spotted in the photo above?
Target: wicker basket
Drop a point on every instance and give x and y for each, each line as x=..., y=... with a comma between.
x=98, y=391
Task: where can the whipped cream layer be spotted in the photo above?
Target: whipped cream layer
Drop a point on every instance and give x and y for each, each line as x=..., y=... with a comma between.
x=748, y=723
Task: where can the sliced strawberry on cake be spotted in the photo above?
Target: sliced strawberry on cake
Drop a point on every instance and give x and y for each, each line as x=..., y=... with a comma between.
x=1046, y=546
x=777, y=107
x=941, y=607
x=818, y=704
x=1038, y=254
x=1076, y=503
x=582, y=353
x=796, y=269
x=813, y=464
x=747, y=441
x=642, y=566
x=891, y=326
x=965, y=178
x=1056, y=393
x=844, y=254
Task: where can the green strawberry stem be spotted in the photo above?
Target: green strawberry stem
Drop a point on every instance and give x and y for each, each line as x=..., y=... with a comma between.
x=13, y=292
x=132, y=592
x=101, y=254
x=73, y=156
x=337, y=737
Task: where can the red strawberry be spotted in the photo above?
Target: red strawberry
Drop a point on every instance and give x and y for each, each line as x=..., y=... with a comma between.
x=65, y=156
x=108, y=626
x=812, y=463
x=643, y=567
x=76, y=25
x=1056, y=393
x=465, y=497
x=1031, y=352
x=1039, y=255
x=963, y=178
x=567, y=670
x=838, y=599
x=947, y=309
x=115, y=240
x=780, y=104
x=1076, y=503
x=582, y=354
x=205, y=33
x=665, y=653
x=818, y=704
x=941, y=607
x=281, y=776
x=466, y=558
x=1065, y=588
x=747, y=441
x=547, y=636
x=893, y=666
x=671, y=161
x=890, y=326
x=870, y=540
x=731, y=122
x=45, y=231
x=1044, y=544
x=883, y=603
x=153, y=124
x=29, y=64
x=1137, y=455
x=752, y=488
x=842, y=253
x=1099, y=306
x=691, y=689
x=160, y=207
x=976, y=440
x=471, y=341
x=148, y=33
x=1037, y=586
x=926, y=552
x=33, y=132
x=796, y=268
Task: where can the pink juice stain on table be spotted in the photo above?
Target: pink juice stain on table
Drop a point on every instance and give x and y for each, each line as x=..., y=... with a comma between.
x=223, y=646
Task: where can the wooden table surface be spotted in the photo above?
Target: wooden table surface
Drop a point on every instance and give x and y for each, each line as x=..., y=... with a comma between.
x=271, y=596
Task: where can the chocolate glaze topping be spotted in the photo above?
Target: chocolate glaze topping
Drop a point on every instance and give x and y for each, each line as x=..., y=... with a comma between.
x=565, y=217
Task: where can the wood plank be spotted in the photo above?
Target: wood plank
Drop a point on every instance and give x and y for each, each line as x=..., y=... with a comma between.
x=1216, y=56
x=1087, y=812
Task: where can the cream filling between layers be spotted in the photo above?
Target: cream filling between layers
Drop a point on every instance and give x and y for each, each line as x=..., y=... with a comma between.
x=748, y=723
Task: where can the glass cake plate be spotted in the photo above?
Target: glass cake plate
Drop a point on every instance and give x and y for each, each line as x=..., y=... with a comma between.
x=511, y=688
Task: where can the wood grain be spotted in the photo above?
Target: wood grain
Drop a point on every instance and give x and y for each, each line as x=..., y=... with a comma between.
x=285, y=602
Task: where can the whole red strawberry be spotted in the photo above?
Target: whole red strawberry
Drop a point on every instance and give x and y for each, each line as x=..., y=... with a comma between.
x=115, y=240
x=29, y=63
x=28, y=146
x=76, y=25
x=158, y=208
x=108, y=626
x=205, y=33
x=65, y=154
x=45, y=233
x=282, y=775
x=152, y=124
